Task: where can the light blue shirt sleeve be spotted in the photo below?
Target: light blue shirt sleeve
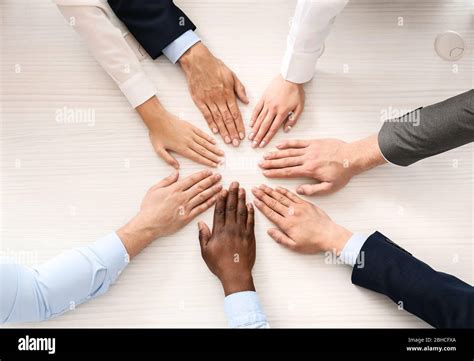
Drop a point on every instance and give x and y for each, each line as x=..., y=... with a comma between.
x=60, y=284
x=350, y=254
x=179, y=46
x=243, y=310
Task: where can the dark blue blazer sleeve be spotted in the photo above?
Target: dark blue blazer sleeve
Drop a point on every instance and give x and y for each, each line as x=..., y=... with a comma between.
x=442, y=300
x=154, y=23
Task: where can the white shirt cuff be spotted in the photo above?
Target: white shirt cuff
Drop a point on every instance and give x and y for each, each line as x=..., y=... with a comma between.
x=112, y=252
x=351, y=252
x=138, y=89
x=299, y=67
x=179, y=46
x=243, y=310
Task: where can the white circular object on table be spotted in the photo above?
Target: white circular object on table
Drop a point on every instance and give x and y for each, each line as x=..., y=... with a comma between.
x=449, y=45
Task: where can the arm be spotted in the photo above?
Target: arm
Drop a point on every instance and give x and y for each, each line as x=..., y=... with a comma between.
x=429, y=131
x=379, y=264
x=283, y=101
x=107, y=44
x=229, y=252
x=73, y=277
x=155, y=24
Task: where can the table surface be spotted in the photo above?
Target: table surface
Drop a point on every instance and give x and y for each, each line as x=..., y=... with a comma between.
x=65, y=185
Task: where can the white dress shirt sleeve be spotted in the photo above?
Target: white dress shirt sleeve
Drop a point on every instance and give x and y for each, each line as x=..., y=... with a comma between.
x=71, y=278
x=311, y=24
x=243, y=310
x=106, y=42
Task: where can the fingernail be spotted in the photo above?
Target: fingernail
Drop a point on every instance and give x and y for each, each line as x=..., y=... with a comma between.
x=279, y=146
x=241, y=135
x=254, y=144
x=235, y=142
x=227, y=140
x=214, y=130
x=262, y=144
x=218, y=176
x=250, y=136
x=256, y=202
x=260, y=163
x=289, y=128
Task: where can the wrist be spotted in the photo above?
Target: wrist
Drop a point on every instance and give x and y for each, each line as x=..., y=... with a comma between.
x=137, y=234
x=364, y=154
x=338, y=237
x=152, y=112
x=240, y=283
x=190, y=55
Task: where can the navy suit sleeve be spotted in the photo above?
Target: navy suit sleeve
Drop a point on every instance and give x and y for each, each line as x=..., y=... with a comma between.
x=154, y=23
x=442, y=300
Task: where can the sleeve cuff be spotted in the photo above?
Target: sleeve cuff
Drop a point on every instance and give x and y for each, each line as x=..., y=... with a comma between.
x=179, y=46
x=350, y=254
x=113, y=254
x=299, y=67
x=243, y=309
x=138, y=89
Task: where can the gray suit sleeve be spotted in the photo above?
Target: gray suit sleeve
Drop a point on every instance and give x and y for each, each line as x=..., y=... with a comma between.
x=429, y=131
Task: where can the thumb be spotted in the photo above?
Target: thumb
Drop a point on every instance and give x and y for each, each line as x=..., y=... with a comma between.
x=240, y=89
x=204, y=234
x=167, y=157
x=315, y=189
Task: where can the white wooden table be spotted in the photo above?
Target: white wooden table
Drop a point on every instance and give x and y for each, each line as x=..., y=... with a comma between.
x=64, y=185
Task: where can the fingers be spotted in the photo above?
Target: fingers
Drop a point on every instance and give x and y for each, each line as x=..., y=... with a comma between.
x=205, y=136
x=256, y=111
x=168, y=158
x=198, y=158
x=290, y=172
x=277, y=122
x=292, y=118
x=231, y=204
x=216, y=115
x=219, y=211
x=202, y=207
x=290, y=195
x=281, y=238
x=229, y=123
x=262, y=130
x=203, y=151
x=287, y=153
x=235, y=112
x=293, y=143
x=281, y=163
x=256, y=126
x=209, y=146
x=268, y=212
x=208, y=116
x=241, y=209
x=283, y=199
x=188, y=182
x=250, y=218
x=204, y=235
x=204, y=190
x=270, y=202
x=322, y=188
x=240, y=89
x=167, y=181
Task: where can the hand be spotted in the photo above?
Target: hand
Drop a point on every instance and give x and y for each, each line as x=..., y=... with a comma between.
x=169, y=133
x=281, y=103
x=168, y=206
x=331, y=162
x=229, y=251
x=213, y=87
x=302, y=226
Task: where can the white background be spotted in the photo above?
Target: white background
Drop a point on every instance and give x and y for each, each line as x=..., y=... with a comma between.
x=65, y=185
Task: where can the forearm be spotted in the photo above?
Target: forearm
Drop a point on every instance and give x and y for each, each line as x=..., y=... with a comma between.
x=61, y=283
x=429, y=131
x=151, y=111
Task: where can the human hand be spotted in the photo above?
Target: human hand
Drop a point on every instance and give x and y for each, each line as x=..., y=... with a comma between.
x=302, y=226
x=169, y=133
x=281, y=103
x=229, y=251
x=331, y=162
x=213, y=87
x=168, y=206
